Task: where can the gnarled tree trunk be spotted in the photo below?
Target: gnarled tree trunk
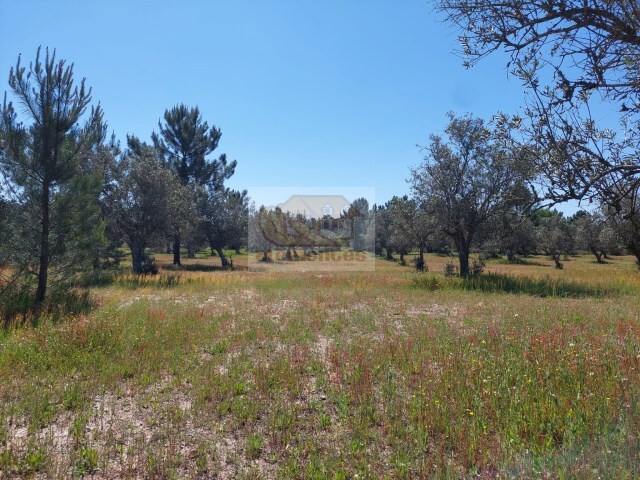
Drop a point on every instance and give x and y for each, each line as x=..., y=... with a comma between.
x=223, y=259
x=463, y=248
x=598, y=255
x=137, y=257
x=420, y=263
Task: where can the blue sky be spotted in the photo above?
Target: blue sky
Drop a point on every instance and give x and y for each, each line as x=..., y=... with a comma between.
x=306, y=93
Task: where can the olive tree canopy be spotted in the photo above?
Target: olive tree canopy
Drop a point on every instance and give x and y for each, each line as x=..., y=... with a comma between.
x=470, y=176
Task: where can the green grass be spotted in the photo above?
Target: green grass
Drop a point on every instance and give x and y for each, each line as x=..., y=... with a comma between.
x=524, y=372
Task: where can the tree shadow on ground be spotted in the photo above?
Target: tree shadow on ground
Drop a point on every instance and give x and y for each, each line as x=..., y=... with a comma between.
x=539, y=287
x=201, y=267
x=18, y=306
x=527, y=261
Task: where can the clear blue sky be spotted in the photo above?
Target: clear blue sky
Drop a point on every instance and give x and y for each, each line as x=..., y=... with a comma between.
x=306, y=93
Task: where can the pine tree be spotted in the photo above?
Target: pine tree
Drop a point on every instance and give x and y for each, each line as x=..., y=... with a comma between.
x=43, y=165
x=185, y=141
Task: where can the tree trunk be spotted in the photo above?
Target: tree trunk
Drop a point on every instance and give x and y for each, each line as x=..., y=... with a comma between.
x=223, y=259
x=636, y=253
x=191, y=250
x=265, y=256
x=463, y=257
x=598, y=255
x=43, y=272
x=420, y=265
x=137, y=257
x=389, y=253
x=176, y=249
x=556, y=259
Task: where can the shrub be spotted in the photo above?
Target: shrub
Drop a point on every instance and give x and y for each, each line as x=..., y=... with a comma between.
x=15, y=301
x=450, y=270
x=149, y=265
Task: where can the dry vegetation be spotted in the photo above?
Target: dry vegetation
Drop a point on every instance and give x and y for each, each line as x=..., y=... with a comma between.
x=385, y=374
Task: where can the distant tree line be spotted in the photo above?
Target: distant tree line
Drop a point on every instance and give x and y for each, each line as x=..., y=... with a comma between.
x=510, y=234
x=489, y=185
x=476, y=192
x=71, y=198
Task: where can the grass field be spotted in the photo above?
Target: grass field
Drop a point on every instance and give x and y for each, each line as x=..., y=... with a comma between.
x=526, y=372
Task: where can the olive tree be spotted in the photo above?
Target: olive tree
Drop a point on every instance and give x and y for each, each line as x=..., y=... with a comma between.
x=515, y=234
x=589, y=228
x=383, y=230
x=141, y=202
x=360, y=208
x=224, y=219
x=555, y=237
x=470, y=176
x=412, y=226
x=625, y=222
x=257, y=241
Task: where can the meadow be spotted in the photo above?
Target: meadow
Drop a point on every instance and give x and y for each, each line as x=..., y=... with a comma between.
x=523, y=372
